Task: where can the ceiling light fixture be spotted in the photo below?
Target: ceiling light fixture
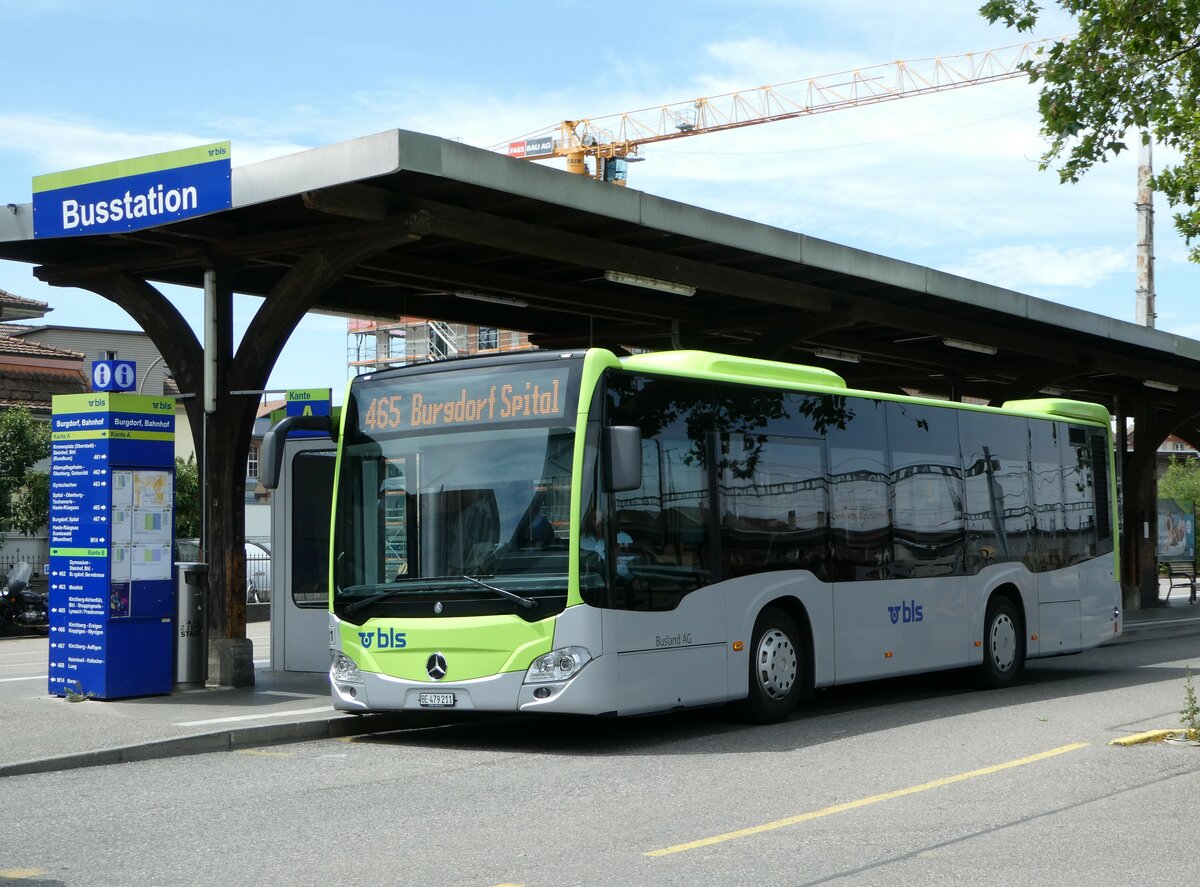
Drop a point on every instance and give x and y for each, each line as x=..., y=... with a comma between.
x=964, y=345
x=1161, y=386
x=833, y=354
x=495, y=300
x=650, y=283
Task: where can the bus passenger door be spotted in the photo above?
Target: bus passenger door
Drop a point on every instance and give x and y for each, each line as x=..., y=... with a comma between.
x=1052, y=457
x=668, y=618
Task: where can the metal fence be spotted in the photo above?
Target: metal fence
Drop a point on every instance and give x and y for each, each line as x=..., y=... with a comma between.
x=258, y=573
x=8, y=560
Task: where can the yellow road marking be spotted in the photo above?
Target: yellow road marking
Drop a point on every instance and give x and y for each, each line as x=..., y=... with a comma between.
x=1148, y=736
x=864, y=802
x=21, y=874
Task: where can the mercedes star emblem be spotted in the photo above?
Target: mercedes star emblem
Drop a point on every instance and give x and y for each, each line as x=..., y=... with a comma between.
x=436, y=666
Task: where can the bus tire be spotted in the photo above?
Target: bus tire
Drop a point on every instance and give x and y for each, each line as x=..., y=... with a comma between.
x=777, y=660
x=1003, y=645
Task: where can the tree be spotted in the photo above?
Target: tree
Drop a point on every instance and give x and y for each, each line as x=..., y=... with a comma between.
x=1132, y=69
x=1181, y=480
x=24, y=493
x=187, y=498
x=31, y=504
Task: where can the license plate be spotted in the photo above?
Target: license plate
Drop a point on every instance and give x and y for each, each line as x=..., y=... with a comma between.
x=435, y=700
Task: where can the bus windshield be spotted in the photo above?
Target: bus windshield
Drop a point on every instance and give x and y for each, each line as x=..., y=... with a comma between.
x=456, y=494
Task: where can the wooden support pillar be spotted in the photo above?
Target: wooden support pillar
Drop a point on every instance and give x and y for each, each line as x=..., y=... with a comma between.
x=1130, y=595
x=226, y=441
x=1139, y=554
x=228, y=427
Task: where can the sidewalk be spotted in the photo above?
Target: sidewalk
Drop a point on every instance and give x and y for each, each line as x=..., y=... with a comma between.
x=40, y=733
x=1173, y=615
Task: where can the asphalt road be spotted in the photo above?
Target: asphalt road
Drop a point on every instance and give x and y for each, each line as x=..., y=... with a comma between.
x=915, y=782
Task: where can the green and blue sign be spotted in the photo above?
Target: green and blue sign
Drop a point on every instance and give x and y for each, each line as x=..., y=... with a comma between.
x=309, y=402
x=128, y=195
x=111, y=528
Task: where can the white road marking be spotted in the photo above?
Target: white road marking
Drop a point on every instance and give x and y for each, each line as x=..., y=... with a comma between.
x=259, y=717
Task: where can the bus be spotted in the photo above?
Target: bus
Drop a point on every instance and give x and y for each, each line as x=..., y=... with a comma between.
x=577, y=532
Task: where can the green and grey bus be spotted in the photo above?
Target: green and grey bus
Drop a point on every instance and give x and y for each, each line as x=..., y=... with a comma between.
x=576, y=532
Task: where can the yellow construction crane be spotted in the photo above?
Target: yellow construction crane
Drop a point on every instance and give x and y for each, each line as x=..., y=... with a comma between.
x=612, y=141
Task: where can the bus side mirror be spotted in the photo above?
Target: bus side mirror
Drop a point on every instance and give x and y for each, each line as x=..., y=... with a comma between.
x=622, y=458
x=271, y=460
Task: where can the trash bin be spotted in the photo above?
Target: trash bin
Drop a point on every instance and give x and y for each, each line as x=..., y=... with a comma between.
x=191, y=625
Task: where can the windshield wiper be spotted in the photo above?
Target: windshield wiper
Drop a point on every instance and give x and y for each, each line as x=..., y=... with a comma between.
x=526, y=602
x=376, y=598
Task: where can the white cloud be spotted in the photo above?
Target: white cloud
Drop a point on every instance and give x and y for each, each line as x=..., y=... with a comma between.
x=1029, y=268
x=54, y=144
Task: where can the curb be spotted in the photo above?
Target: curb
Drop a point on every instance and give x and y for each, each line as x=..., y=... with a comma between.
x=1150, y=736
x=1157, y=629
x=225, y=740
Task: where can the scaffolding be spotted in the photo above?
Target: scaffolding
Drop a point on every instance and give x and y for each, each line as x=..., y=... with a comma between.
x=373, y=345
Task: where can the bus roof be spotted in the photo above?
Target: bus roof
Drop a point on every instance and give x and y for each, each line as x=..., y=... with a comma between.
x=755, y=371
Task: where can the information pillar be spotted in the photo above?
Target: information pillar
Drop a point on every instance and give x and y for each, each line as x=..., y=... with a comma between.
x=112, y=494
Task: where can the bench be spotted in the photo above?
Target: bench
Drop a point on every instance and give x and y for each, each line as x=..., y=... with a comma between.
x=1181, y=575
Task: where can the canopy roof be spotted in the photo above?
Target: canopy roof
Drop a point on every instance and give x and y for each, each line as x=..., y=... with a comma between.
x=510, y=244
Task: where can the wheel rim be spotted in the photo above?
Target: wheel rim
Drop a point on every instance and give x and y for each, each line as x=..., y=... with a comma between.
x=776, y=664
x=1003, y=642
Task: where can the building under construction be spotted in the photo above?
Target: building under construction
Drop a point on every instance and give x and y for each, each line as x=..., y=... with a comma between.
x=378, y=345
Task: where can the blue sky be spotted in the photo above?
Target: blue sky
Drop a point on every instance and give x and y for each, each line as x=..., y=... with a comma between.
x=948, y=180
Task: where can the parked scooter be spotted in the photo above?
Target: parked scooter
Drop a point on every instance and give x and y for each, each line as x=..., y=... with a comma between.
x=19, y=606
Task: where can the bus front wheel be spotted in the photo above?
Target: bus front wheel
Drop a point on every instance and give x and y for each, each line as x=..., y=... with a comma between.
x=776, y=667
x=1003, y=645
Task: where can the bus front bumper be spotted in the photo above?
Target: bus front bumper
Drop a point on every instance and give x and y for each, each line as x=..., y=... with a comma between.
x=583, y=693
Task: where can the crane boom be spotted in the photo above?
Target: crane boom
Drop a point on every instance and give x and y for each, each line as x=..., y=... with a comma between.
x=618, y=136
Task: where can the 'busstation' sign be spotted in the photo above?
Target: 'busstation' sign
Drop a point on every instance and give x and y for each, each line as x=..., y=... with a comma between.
x=128, y=195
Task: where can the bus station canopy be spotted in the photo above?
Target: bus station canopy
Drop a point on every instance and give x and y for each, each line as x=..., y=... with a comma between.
x=401, y=224
x=510, y=244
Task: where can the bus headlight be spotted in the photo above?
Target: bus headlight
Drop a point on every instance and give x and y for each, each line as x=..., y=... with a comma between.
x=558, y=665
x=344, y=668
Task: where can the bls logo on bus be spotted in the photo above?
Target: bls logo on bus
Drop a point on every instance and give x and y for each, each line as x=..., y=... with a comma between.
x=909, y=611
x=383, y=640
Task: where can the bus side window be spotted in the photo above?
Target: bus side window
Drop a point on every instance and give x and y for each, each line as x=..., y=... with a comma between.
x=774, y=504
x=999, y=508
x=860, y=527
x=927, y=491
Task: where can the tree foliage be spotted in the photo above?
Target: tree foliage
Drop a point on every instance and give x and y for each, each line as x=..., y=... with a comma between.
x=187, y=498
x=31, y=504
x=1132, y=70
x=24, y=493
x=1181, y=480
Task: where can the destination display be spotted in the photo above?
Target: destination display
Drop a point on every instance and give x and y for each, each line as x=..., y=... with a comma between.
x=449, y=400
x=111, y=532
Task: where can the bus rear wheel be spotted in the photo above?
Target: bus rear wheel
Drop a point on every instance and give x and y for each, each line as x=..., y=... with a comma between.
x=776, y=667
x=1003, y=645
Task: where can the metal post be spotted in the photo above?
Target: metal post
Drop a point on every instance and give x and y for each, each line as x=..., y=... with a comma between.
x=1145, y=241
